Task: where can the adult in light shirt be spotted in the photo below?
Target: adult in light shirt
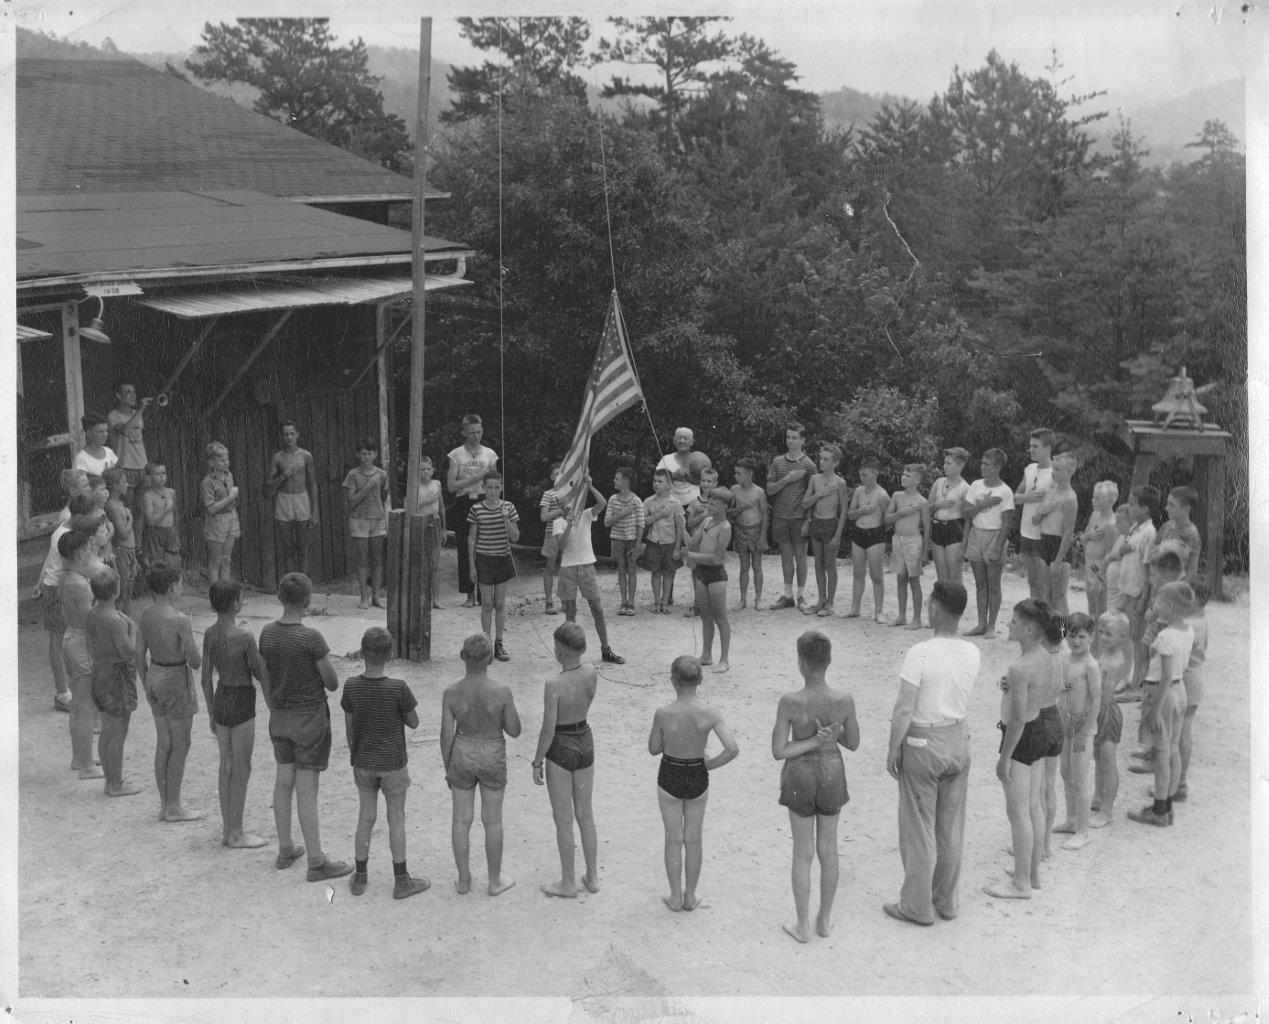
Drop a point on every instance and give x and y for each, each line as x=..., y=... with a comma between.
x=468, y=464
x=684, y=466
x=127, y=435
x=1037, y=478
x=929, y=756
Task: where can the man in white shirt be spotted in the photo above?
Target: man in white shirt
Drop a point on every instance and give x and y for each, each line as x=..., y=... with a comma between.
x=684, y=466
x=988, y=509
x=1036, y=479
x=577, y=569
x=468, y=464
x=929, y=755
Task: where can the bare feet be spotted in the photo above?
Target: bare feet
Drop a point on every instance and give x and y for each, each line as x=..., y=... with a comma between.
x=592, y=884
x=759, y=605
x=500, y=885
x=691, y=901
x=125, y=788
x=722, y=666
x=437, y=605
x=1076, y=842
x=798, y=932
x=674, y=902
x=879, y=619
x=363, y=604
x=848, y=615
x=91, y=773
x=1099, y=820
x=179, y=813
x=568, y=892
x=707, y=659
x=246, y=841
x=374, y=603
x=1035, y=879
x=976, y=631
x=462, y=886
x=915, y=625
x=1006, y=892
x=823, y=924
x=1067, y=828
x=900, y=620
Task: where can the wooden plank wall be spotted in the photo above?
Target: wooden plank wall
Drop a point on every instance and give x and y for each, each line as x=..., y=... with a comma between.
x=302, y=371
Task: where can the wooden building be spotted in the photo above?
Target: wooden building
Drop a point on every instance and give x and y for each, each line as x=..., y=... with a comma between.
x=216, y=246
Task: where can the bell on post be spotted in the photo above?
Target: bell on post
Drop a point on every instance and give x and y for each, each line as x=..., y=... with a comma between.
x=1179, y=407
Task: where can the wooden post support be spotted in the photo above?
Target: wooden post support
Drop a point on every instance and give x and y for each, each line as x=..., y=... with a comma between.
x=410, y=608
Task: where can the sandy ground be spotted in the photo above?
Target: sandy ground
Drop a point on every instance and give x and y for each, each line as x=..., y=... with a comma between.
x=115, y=904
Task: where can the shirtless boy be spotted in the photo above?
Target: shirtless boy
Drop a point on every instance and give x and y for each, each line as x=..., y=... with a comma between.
x=160, y=539
x=867, y=510
x=165, y=635
x=1022, y=745
x=826, y=502
x=910, y=515
x=75, y=599
x=292, y=483
x=1080, y=706
x=679, y=733
x=431, y=505
x=125, y=539
x=947, y=526
x=565, y=759
x=787, y=479
x=475, y=715
x=749, y=530
x=810, y=724
x=1114, y=659
x=706, y=550
x=1056, y=519
x=1099, y=537
x=112, y=646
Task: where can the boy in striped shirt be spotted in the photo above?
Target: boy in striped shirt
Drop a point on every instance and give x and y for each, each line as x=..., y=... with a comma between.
x=625, y=518
x=493, y=529
x=376, y=711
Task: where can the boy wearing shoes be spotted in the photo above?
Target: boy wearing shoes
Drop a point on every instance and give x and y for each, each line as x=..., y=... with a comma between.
x=493, y=525
x=680, y=730
x=376, y=711
x=910, y=515
x=299, y=674
x=810, y=725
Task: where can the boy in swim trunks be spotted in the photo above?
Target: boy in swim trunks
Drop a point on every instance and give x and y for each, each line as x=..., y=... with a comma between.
x=679, y=733
x=475, y=715
x=695, y=510
x=1114, y=659
x=868, y=507
x=230, y=653
x=298, y=678
x=160, y=540
x=988, y=511
x=565, y=759
x=1098, y=537
x=164, y=634
x=1080, y=706
x=1056, y=519
x=947, y=527
x=707, y=549
x=292, y=483
x=75, y=598
x=111, y=637
x=624, y=519
x=810, y=724
x=825, y=503
x=910, y=515
x=376, y=711
x=749, y=530
x=125, y=540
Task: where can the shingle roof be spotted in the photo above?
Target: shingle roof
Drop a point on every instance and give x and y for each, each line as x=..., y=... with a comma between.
x=120, y=125
x=93, y=235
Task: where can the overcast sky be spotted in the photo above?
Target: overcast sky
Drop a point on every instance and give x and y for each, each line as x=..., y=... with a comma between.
x=1156, y=48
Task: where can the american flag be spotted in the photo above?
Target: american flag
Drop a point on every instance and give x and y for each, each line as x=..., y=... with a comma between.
x=612, y=389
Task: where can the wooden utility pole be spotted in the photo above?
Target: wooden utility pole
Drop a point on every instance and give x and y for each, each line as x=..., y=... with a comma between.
x=410, y=545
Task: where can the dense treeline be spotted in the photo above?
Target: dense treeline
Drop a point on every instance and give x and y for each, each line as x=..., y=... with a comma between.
x=955, y=273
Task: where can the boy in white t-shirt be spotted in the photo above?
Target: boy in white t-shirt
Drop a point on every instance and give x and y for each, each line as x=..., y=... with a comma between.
x=95, y=458
x=988, y=509
x=577, y=569
x=1036, y=479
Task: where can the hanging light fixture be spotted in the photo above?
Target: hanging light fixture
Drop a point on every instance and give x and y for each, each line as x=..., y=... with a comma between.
x=93, y=331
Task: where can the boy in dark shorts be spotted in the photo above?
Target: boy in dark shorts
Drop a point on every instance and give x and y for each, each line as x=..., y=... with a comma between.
x=825, y=503
x=231, y=654
x=1056, y=519
x=810, y=724
x=565, y=759
x=299, y=674
x=75, y=598
x=749, y=530
x=475, y=715
x=164, y=634
x=947, y=525
x=161, y=538
x=493, y=526
x=376, y=711
x=868, y=507
x=788, y=476
x=680, y=730
x=125, y=538
x=111, y=637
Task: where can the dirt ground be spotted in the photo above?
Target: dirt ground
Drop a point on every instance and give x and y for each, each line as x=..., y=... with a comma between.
x=114, y=904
